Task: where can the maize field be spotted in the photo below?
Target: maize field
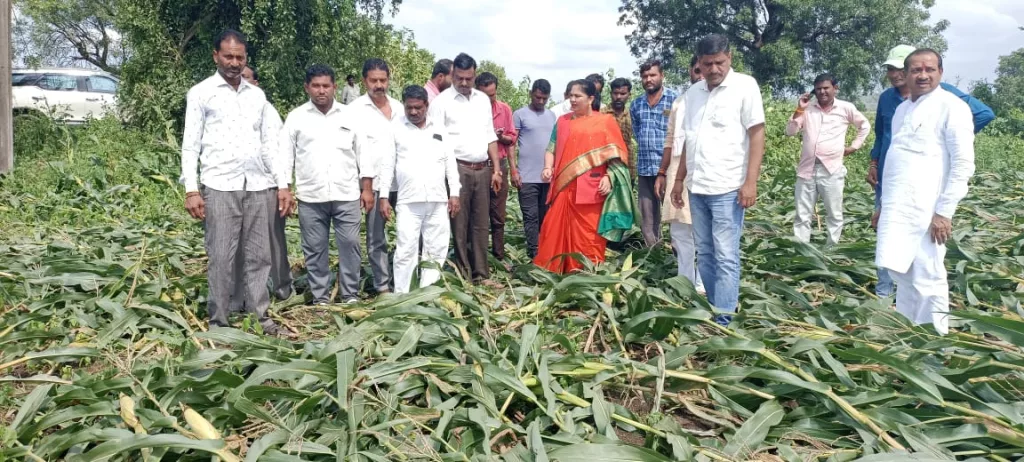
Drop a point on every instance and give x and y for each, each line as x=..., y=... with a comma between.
x=105, y=354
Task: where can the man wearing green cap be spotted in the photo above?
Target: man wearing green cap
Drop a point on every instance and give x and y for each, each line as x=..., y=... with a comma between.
x=889, y=100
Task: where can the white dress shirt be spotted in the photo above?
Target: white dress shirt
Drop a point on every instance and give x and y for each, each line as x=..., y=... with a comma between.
x=349, y=93
x=927, y=168
x=327, y=152
x=377, y=128
x=562, y=108
x=715, y=126
x=420, y=161
x=469, y=123
x=227, y=138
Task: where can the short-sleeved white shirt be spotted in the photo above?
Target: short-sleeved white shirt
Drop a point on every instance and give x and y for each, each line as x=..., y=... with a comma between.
x=715, y=128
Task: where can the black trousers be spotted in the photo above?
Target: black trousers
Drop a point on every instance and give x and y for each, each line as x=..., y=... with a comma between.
x=533, y=201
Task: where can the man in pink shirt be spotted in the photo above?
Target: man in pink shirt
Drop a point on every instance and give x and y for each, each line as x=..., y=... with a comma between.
x=440, y=79
x=505, y=129
x=824, y=124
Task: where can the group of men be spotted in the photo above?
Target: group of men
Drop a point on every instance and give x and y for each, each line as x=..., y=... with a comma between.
x=441, y=162
x=926, y=129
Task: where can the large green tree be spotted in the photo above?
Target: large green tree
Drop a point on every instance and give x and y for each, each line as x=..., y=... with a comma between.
x=171, y=42
x=1007, y=92
x=68, y=32
x=783, y=43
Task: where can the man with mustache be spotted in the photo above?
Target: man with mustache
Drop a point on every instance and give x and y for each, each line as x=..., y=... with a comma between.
x=465, y=113
x=423, y=163
x=823, y=125
x=723, y=119
x=930, y=161
x=621, y=91
x=650, y=126
x=888, y=101
x=229, y=141
x=375, y=111
x=333, y=180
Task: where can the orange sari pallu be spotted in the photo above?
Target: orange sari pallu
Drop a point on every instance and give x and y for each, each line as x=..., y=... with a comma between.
x=583, y=149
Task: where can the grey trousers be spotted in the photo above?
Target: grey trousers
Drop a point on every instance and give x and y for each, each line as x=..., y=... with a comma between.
x=280, y=268
x=236, y=226
x=377, y=245
x=315, y=221
x=650, y=210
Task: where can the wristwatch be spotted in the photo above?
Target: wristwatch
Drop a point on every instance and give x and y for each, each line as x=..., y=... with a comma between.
x=661, y=172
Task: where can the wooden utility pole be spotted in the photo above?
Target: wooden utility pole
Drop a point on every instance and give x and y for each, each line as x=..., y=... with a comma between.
x=6, y=114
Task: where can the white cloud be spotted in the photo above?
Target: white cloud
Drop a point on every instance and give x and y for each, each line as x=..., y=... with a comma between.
x=980, y=32
x=569, y=39
x=558, y=41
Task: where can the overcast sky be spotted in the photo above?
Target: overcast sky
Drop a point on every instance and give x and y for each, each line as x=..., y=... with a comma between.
x=522, y=37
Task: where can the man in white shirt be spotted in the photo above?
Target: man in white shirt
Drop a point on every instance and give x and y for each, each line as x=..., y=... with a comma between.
x=821, y=172
x=423, y=163
x=679, y=220
x=351, y=91
x=280, y=268
x=465, y=112
x=376, y=111
x=227, y=138
x=723, y=127
x=927, y=168
x=333, y=181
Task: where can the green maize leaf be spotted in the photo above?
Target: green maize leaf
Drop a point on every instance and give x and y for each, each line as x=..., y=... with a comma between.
x=907, y=371
x=589, y=452
x=752, y=433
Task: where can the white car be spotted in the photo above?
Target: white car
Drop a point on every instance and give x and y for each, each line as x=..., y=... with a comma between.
x=72, y=95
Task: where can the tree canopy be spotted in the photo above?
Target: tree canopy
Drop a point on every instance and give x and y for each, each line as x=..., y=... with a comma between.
x=784, y=43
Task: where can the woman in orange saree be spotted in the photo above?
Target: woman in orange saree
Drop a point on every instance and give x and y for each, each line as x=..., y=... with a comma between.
x=589, y=200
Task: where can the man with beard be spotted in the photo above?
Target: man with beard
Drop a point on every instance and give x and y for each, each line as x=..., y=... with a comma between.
x=889, y=100
x=533, y=123
x=375, y=112
x=227, y=139
x=440, y=79
x=621, y=90
x=931, y=161
x=821, y=172
x=723, y=118
x=333, y=180
x=465, y=113
x=650, y=126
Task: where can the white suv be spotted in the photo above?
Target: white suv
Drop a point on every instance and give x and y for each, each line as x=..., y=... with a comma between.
x=73, y=95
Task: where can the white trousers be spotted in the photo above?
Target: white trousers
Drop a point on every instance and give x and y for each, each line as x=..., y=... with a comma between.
x=830, y=188
x=429, y=220
x=686, y=253
x=923, y=294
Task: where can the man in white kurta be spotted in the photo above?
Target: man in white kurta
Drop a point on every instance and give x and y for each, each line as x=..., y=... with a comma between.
x=422, y=162
x=927, y=169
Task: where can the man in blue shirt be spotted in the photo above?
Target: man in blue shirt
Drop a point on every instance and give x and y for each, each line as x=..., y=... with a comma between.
x=650, y=125
x=887, y=104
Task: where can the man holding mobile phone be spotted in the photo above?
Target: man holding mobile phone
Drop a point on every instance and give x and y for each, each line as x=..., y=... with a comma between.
x=821, y=173
x=505, y=130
